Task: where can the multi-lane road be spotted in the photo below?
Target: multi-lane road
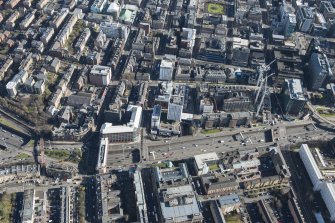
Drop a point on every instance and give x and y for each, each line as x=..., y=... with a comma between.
x=10, y=140
x=225, y=141
x=185, y=147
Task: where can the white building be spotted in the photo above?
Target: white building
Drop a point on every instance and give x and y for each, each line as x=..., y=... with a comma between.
x=311, y=166
x=118, y=133
x=188, y=38
x=202, y=160
x=102, y=156
x=114, y=9
x=166, y=70
x=328, y=196
x=124, y=133
x=136, y=116
x=11, y=88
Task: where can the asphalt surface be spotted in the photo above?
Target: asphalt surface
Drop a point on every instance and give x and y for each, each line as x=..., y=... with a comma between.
x=184, y=147
x=10, y=140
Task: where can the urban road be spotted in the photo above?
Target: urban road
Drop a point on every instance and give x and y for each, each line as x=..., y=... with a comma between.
x=284, y=135
x=186, y=147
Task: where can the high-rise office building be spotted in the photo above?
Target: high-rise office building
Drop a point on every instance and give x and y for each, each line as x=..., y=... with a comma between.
x=166, y=70
x=319, y=70
x=293, y=99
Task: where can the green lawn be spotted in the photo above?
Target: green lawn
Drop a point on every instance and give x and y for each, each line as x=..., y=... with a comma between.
x=161, y=165
x=30, y=143
x=65, y=155
x=75, y=156
x=210, y=131
x=6, y=203
x=215, y=8
x=214, y=167
x=233, y=218
x=328, y=115
x=325, y=112
x=10, y=124
x=22, y=156
x=4, y=50
x=57, y=154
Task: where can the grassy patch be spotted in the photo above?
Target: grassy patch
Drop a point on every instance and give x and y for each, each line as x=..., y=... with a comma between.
x=328, y=115
x=4, y=50
x=22, y=156
x=325, y=112
x=233, y=218
x=75, y=156
x=214, y=8
x=30, y=143
x=57, y=154
x=161, y=165
x=65, y=155
x=213, y=167
x=210, y=131
x=9, y=124
x=6, y=203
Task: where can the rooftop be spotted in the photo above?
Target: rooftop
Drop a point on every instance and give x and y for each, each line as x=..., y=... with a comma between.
x=228, y=199
x=203, y=158
x=295, y=88
x=179, y=204
x=108, y=128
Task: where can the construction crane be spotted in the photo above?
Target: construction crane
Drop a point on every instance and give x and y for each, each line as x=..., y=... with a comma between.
x=262, y=85
x=265, y=92
x=262, y=70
